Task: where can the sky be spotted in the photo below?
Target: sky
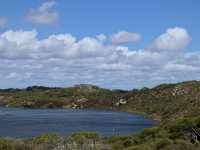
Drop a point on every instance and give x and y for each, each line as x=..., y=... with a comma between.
x=122, y=44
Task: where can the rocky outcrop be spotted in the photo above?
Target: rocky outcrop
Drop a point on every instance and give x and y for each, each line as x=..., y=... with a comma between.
x=82, y=100
x=121, y=102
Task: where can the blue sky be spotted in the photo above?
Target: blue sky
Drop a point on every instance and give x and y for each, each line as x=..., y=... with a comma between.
x=89, y=18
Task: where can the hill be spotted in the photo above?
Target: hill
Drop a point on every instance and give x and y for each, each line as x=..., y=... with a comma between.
x=176, y=106
x=161, y=102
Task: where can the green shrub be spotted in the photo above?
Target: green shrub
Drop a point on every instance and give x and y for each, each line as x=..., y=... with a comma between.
x=6, y=145
x=83, y=136
x=139, y=147
x=161, y=144
x=45, y=139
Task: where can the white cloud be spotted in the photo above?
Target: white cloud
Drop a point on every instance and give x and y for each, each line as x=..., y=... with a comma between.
x=180, y=67
x=12, y=75
x=114, y=67
x=101, y=37
x=3, y=22
x=44, y=14
x=20, y=37
x=173, y=39
x=125, y=37
x=64, y=60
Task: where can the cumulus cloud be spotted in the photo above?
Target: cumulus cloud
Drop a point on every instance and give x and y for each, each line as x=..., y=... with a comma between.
x=44, y=14
x=125, y=37
x=20, y=37
x=173, y=39
x=3, y=22
x=64, y=60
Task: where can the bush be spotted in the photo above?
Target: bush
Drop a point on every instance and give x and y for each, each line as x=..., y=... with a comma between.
x=5, y=145
x=160, y=144
x=48, y=138
x=83, y=136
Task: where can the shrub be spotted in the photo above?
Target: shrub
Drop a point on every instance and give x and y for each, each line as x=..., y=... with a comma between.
x=48, y=138
x=5, y=145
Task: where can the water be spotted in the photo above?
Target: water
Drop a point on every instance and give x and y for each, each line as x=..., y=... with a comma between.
x=23, y=123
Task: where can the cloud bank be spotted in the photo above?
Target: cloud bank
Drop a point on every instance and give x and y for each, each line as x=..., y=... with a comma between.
x=64, y=60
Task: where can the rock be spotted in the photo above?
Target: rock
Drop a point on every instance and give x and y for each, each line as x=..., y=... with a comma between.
x=117, y=104
x=122, y=101
x=82, y=100
x=178, y=91
x=74, y=106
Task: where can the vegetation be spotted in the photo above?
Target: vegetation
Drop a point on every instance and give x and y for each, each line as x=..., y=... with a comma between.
x=81, y=96
x=176, y=106
x=78, y=141
x=176, y=135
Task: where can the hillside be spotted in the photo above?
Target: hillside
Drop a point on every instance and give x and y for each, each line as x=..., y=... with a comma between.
x=79, y=96
x=176, y=106
x=166, y=101
x=161, y=102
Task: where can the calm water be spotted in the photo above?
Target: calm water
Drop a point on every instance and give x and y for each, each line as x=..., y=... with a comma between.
x=28, y=123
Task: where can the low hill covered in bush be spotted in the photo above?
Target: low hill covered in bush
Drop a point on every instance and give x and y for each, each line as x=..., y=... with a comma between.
x=176, y=106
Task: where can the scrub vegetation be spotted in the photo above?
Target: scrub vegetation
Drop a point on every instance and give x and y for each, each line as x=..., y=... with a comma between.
x=175, y=106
